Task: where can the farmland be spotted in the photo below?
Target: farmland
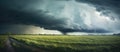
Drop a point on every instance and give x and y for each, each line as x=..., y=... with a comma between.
x=63, y=43
x=72, y=43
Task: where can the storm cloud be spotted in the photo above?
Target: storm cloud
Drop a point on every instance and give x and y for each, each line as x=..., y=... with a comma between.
x=62, y=15
x=109, y=8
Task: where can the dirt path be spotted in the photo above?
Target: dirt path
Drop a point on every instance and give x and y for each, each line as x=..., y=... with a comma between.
x=9, y=47
x=28, y=47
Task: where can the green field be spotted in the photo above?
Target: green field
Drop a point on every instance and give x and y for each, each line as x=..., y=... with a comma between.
x=72, y=43
x=2, y=43
x=61, y=43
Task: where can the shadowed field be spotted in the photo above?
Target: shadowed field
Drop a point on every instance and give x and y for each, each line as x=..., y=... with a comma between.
x=39, y=43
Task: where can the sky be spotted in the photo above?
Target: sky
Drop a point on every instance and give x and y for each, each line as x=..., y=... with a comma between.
x=59, y=16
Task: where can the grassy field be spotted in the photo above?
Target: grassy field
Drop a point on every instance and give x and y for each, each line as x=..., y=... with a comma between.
x=2, y=43
x=71, y=43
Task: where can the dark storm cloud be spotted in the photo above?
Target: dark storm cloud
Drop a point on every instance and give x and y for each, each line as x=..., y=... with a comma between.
x=19, y=12
x=11, y=12
x=10, y=16
x=106, y=6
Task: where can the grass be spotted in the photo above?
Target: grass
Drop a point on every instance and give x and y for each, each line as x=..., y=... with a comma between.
x=3, y=39
x=72, y=43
